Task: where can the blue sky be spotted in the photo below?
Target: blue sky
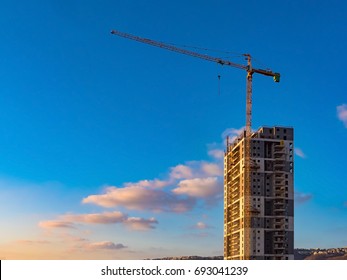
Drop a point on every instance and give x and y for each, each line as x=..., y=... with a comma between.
x=109, y=148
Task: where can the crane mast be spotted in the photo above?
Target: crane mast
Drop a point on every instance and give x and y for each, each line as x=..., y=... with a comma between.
x=248, y=213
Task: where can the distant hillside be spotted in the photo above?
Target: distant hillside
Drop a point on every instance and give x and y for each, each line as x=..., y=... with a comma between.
x=321, y=254
x=299, y=254
x=191, y=258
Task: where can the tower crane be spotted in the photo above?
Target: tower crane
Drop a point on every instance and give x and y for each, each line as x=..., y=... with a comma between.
x=248, y=129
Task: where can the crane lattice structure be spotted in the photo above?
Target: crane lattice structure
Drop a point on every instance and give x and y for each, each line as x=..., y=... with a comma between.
x=248, y=129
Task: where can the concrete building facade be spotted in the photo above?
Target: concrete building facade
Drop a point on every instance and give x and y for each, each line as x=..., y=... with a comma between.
x=270, y=232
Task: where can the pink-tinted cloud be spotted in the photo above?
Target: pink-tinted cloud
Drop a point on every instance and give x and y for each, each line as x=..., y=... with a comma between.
x=104, y=245
x=32, y=242
x=212, y=169
x=139, y=198
x=216, y=153
x=181, y=172
x=233, y=133
x=195, y=169
x=97, y=218
x=135, y=223
x=342, y=113
x=301, y=198
x=56, y=224
x=299, y=153
x=156, y=183
x=201, y=225
x=70, y=238
x=206, y=188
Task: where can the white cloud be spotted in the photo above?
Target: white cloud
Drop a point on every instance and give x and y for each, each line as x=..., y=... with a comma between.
x=56, y=224
x=207, y=188
x=216, y=153
x=184, y=185
x=195, y=169
x=181, y=172
x=140, y=223
x=232, y=133
x=97, y=218
x=156, y=183
x=216, y=150
x=342, y=113
x=212, y=169
x=32, y=242
x=140, y=198
x=301, y=198
x=299, y=153
x=69, y=220
x=179, y=192
x=201, y=225
x=104, y=245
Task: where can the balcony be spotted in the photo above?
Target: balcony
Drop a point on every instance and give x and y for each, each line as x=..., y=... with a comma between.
x=279, y=176
x=255, y=211
x=280, y=192
x=280, y=211
x=279, y=167
x=279, y=202
x=279, y=148
x=279, y=161
x=280, y=233
x=279, y=222
x=279, y=156
x=279, y=227
x=278, y=240
x=279, y=182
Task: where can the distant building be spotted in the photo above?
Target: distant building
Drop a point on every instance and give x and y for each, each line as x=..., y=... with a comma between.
x=271, y=232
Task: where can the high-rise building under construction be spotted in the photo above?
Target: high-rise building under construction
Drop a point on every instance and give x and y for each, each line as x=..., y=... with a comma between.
x=269, y=232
